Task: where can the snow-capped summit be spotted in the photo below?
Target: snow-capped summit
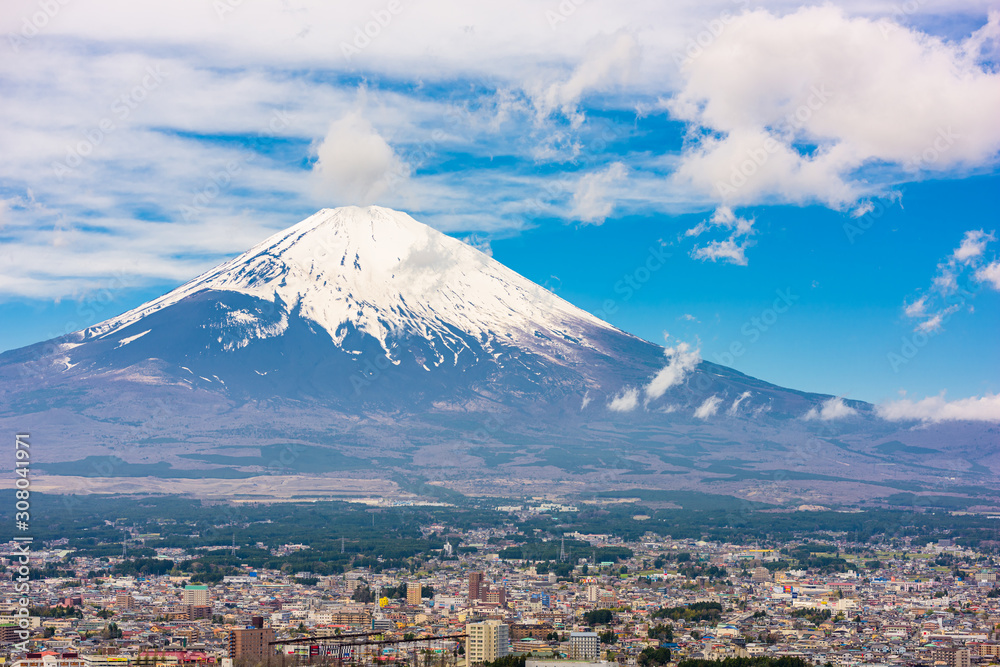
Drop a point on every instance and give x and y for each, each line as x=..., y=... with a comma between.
x=385, y=275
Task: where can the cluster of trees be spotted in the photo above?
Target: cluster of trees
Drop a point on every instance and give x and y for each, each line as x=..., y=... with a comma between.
x=696, y=612
x=664, y=633
x=814, y=616
x=400, y=591
x=599, y=617
x=56, y=612
x=562, y=570
x=650, y=657
x=508, y=661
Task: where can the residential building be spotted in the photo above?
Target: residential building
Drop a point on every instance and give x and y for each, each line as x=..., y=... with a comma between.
x=413, y=593
x=250, y=643
x=584, y=646
x=486, y=641
x=475, y=585
x=195, y=595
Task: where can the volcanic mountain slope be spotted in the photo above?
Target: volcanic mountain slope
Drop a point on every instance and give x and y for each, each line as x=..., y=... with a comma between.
x=362, y=335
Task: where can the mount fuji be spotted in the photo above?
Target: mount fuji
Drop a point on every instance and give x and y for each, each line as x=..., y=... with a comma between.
x=372, y=346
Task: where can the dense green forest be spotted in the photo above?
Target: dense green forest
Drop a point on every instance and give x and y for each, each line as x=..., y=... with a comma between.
x=223, y=538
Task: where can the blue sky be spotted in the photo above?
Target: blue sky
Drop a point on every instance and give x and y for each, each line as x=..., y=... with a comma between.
x=838, y=161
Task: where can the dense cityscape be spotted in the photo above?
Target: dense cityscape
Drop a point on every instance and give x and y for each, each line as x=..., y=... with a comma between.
x=480, y=597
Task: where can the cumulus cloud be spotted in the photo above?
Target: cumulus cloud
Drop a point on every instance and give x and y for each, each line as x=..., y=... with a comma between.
x=848, y=93
x=833, y=408
x=972, y=246
x=965, y=264
x=731, y=249
x=626, y=401
x=708, y=408
x=990, y=274
x=935, y=409
x=355, y=164
x=681, y=362
x=591, y=197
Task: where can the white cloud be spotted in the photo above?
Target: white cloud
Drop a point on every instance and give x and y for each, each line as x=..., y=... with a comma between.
x=688, y=317
x=484, y=80
x=990, y=274
x=708, y=408
x=973, y=244
x=833, y=408
x=626, y=401
x=916, y=308
x=591, y=202
x=936, y=409
x=965, y=263
x=931, y=324
x=355, y=164
x=728, y=251
x=732, y=249
x=608, y=60
x=850, y=90
x=681, y=362
x=736, y=403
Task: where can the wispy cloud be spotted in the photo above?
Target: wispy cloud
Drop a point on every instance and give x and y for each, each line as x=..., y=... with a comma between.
x=682, y=360
x=708, y=408
x=626, y=401
x=734, y=408
x=455, y=135
x=964, y=265
x=833, y=408
x=732, y=249
x=935, y=409
x=592, y=200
